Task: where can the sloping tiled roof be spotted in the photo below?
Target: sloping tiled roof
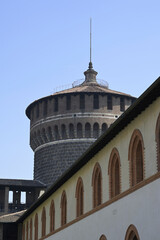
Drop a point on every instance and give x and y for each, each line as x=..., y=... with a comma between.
x=132, y=112
x=95, y=88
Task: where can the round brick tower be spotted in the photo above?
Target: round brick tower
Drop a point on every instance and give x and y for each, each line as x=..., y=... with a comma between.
x=65, y=124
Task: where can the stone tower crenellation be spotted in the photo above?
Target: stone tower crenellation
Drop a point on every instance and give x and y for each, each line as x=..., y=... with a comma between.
x=64, y=124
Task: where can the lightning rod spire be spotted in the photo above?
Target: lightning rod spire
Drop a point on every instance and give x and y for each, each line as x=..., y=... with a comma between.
x=90, y=63
x=90, y=74
x=90, y=40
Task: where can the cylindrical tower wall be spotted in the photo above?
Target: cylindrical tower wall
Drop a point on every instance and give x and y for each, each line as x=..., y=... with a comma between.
x=51, y=160
x=65, y=124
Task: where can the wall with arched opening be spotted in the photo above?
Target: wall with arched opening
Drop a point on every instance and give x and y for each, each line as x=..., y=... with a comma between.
x=125, y=208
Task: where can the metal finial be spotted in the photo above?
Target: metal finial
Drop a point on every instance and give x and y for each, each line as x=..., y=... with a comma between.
x=90, y=74
x=90, y=39
x=90, y=63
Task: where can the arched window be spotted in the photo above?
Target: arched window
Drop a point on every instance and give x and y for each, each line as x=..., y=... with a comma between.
x=30, y=229
x=132, y=233
x=27, y=231
x=87, y=130
x=63, y=131
x=71, y=130
x=33, y=141
x=39, y=137
x=158, y=141
x=136, y=158
x=63, y=208
x=50, y=136
x=104, y=127
x=96, y=130
x=44, y=135
x=114, y=173
x=36, y=227
x=43, y=219
x=36, y=139
x=52, y=216
x=79, y=197
x=97, y=185
x=103, y=237
x=79, y=130
x=23, y=232
x=56, y=132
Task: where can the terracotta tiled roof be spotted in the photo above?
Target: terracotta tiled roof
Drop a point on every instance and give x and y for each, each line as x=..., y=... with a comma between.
x=95, y=88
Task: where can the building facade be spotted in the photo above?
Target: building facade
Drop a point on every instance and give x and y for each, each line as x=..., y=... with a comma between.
x=17, y=195
x=112, y=191
x=62, y=127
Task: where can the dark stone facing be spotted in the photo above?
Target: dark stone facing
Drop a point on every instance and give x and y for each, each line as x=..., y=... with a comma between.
x=52, y=161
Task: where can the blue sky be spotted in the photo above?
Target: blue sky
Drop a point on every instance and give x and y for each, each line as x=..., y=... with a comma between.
x=45, y=45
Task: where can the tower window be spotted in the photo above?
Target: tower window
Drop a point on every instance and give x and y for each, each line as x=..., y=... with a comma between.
x=104, y=127
x=109, y=102
x=68, y=102
x=82, y=101
x=71, y=130
x=37, y=111
x=122, y=104
x=45, y=110
x=56, y=104
x=50, y=136
x=79, y=130
x=95, y=101
x=56, y=132
x=63, y=131
x=87, y=130
x=96, y=130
